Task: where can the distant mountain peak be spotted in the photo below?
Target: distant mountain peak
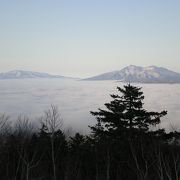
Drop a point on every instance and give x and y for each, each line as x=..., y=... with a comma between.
x=21, y=74
x=138, y=74
x=133, y=66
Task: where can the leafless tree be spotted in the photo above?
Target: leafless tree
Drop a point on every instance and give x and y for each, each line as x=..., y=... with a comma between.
x=142, y=171
x=23, y=126
x=29, y=163
x=5, y=126
x=53, y=122
x=24, y=129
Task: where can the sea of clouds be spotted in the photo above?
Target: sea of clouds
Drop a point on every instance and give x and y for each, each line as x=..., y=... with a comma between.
x=75, y=99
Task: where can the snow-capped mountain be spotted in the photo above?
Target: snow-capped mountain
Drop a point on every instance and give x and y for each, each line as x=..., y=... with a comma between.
x=20, y=74
x=150, y=74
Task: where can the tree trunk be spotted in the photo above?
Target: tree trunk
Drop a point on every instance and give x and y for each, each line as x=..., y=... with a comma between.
x=53, y=158
x=97, y=172
x=108, y=165
x=27, y=173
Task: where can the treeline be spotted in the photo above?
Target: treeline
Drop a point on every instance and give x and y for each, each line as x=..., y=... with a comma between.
x=124, y=145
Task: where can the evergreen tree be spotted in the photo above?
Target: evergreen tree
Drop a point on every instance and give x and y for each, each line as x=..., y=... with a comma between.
x=125, y=114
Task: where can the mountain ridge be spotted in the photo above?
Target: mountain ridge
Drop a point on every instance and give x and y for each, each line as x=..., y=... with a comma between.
x=22, y=74
x=138, y=74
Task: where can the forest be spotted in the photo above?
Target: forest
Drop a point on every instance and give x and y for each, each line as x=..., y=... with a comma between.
x=126, y=143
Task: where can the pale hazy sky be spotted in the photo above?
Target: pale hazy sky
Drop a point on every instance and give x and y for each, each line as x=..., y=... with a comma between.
x=88, y=37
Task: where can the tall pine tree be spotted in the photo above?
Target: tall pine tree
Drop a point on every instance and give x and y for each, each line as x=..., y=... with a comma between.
x=125, y=114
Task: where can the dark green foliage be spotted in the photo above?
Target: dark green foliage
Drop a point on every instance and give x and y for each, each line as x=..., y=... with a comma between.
x=125, y=114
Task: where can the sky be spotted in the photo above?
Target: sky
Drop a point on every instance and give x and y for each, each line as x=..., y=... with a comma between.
x=82, y=38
